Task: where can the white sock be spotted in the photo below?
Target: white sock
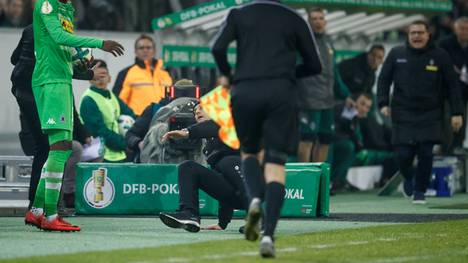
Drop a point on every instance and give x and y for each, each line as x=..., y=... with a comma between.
x=267, y=239
x=52, y=217
x=37, y=211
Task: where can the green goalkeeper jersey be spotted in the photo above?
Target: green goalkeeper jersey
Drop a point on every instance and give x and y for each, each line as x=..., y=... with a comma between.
x=54, y=40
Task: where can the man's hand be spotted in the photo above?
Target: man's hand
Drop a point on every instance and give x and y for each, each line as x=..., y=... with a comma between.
x=457, y=122
x=113, y=47
x=88, y=140
x=98, y=74
x=224, y=81
x=386, y=111
x=178, y=134
x=350, y=102
x=212, y=227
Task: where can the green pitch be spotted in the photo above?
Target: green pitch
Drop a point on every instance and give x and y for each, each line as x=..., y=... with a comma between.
x=352, y=234
x=429, y=242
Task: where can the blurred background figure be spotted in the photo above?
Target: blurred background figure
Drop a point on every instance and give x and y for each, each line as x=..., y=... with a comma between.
x=456, y=46
x=13, y=13
x=317, y=97
x=144, y=82
x=100, y=110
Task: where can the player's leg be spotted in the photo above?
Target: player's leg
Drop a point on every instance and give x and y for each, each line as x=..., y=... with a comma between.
x=405, y=156
x=424, y=171
x=248, y=100
x=60, y=150
x=55, y=109
x=280, y=125
x=325, y=135
x=308, y=129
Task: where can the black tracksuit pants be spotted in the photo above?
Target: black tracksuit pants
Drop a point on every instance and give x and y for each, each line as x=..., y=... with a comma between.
x=223, y=183
x=33, y=141
x=406, y=155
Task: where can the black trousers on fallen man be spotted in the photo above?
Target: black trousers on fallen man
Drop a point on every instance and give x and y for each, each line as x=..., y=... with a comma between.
x=224, y=183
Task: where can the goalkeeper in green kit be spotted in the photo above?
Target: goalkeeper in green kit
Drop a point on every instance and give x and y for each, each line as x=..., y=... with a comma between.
x=51, y=83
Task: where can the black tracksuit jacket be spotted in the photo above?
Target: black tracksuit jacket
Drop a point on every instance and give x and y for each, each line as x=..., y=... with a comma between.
x=268, y=50
x=422, y=79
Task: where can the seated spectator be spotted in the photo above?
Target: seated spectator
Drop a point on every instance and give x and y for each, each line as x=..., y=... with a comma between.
x=102, y=15
x=223, y=181
x=3, y=4
x=347, y=148
x=13, y=13
x=100, y=110
x=377, y=138
x=145, y=81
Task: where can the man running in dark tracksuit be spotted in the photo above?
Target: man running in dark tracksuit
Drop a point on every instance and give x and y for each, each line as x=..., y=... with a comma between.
x=269, y=35
x=222, y=182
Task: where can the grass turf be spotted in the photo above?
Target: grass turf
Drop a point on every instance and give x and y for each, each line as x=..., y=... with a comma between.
x=429, y=242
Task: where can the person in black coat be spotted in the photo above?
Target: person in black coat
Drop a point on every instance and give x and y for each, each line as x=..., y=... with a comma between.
x=423, y=76
x=223, y=181
x=358, y=73
x=33, y=141
x=457, y=47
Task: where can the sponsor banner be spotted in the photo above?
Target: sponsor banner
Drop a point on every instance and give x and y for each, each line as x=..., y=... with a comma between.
x=153, y=188
x=417, y=5
x=214, y=7
x=195, y=12
x=323, y=204
x=193, y=56
x=125, y=189
x=131, y=189
x=301, y=197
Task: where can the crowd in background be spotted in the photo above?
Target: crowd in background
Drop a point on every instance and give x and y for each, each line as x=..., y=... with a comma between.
x=136, y=15
x=113, y=15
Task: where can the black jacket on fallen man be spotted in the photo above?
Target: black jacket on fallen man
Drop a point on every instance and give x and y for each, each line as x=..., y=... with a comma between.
x=422, y=79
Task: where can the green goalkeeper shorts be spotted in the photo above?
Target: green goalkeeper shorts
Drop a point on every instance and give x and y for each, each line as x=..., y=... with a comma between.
x=55, y=106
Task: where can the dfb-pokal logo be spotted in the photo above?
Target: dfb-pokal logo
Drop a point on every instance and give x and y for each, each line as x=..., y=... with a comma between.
x=99, y=190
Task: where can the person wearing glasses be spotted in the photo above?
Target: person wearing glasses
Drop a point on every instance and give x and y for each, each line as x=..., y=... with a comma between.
x=423, y=76
x=144, y=82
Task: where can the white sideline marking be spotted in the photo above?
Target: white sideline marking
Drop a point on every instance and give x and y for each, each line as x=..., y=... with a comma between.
x=287, y=249
x=355, y=243
x=215, y=256
x=387, y=239
x=225, y=256
x=177, y=260
x=322, y=246
x=295, y=249
x=351, y=243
